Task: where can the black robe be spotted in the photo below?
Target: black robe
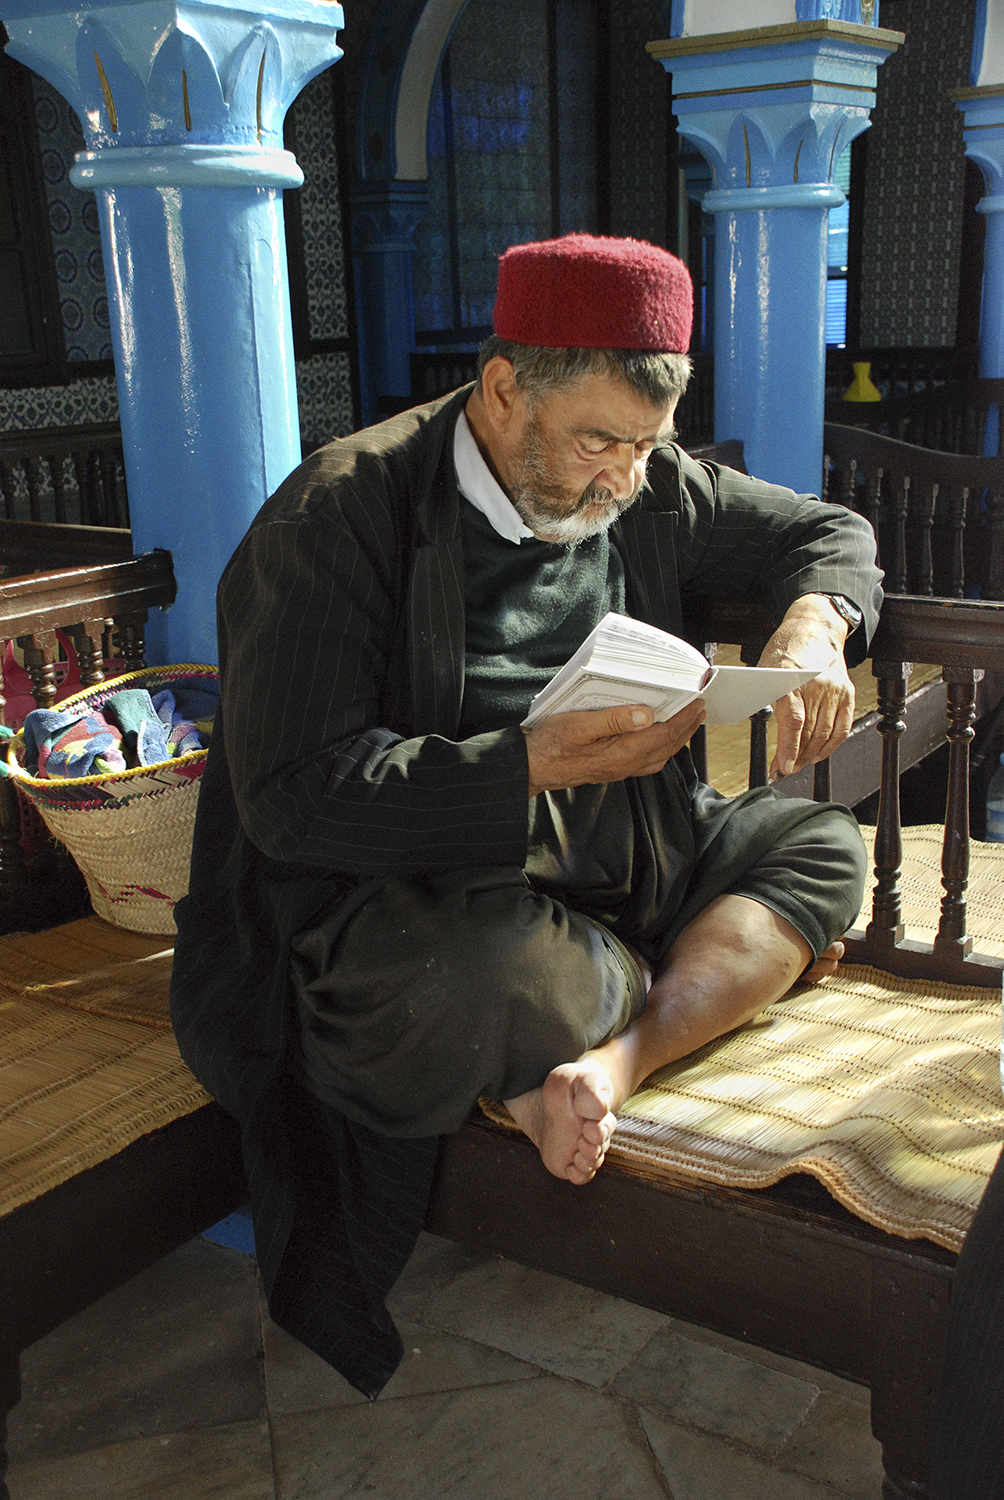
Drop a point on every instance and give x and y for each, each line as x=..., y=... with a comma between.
x=341, y=634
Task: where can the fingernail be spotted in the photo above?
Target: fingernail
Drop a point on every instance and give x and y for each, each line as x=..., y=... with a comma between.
x=639, y=716
x=787, y=768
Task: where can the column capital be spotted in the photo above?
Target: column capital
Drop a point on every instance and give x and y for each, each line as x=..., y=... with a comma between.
x=983, y=137
x=167, y=73
x=775, y=106
x=385, y=215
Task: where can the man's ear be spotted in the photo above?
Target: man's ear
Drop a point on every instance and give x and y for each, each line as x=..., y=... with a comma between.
x=499, y=393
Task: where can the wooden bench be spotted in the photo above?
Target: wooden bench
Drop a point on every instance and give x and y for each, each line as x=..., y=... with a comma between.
x=786, y=1268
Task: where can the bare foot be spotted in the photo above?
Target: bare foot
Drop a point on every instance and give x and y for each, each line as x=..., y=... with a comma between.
x=825, y=965
x=569, y=1119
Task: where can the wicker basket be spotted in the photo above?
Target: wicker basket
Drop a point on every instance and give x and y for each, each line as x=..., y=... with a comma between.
x=130, y=833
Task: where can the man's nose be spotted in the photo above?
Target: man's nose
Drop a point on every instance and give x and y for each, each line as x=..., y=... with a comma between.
x=622, y=472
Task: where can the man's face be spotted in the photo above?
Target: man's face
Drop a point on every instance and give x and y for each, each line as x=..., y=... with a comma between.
x=577, y=460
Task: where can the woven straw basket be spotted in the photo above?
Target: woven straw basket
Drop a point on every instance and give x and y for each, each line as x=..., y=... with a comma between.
x=130, y=833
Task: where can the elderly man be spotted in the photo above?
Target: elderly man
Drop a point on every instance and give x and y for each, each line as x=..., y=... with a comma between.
x=402, y=900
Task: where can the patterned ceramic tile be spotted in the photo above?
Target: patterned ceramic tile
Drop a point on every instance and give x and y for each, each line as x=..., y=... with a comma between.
x=92, y=399
x=320, y=208
x=915, y=178
x=324, y=397
x=76, y=236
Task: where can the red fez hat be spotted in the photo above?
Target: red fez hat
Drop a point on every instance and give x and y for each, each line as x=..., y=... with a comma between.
x=585, y=292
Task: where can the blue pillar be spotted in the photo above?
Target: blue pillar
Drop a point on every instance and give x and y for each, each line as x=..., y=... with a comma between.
x=385, y=216
x=983, y=112
x=772, y=110
x=182, y=104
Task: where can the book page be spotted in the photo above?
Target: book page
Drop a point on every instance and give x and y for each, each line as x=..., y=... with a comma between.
x=738, y=692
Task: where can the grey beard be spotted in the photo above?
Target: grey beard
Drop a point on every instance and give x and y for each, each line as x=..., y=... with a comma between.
x=547, y=519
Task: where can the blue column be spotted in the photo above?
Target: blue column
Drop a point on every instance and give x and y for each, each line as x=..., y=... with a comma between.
x=983, y=112
x=772, y=110
x=182, y=107
x=384, y=217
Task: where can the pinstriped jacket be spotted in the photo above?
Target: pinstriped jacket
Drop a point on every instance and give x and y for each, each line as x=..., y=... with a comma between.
x=341, y=631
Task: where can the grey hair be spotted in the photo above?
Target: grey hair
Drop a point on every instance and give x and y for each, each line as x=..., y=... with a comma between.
x=655, y=376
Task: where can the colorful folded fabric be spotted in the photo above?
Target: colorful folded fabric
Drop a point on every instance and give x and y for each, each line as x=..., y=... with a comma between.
x=132, y=728
x=62, y=742
x=144, y=738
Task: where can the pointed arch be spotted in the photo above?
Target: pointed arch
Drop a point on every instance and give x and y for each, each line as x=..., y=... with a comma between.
x=405, y=45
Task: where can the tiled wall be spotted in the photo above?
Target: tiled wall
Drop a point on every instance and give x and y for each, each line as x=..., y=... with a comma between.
x=76, y=238
x=500, y=121
x=324, y=389
x=915, y=175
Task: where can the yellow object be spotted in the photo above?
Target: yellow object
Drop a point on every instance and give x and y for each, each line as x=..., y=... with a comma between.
x=862, y=387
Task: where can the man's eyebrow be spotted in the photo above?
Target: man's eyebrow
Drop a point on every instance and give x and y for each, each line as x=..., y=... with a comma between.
x=600, y=434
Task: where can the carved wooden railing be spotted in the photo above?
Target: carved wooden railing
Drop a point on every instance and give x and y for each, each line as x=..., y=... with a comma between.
x=966, y=640
x=938, y=517
x=65, y=475
x=960, y=417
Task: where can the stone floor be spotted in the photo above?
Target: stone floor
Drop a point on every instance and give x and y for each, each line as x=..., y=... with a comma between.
x=515, y=1385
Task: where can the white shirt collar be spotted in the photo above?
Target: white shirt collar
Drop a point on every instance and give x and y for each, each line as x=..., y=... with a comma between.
x=478, y=484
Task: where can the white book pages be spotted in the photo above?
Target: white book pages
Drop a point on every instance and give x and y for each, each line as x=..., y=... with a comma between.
x=626, y=661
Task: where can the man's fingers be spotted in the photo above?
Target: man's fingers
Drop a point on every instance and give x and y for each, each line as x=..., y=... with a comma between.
x=605, y=745
x=825, y=724
x=790, y=718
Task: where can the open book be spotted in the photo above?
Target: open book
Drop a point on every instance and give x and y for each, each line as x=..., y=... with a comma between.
x=626, y=661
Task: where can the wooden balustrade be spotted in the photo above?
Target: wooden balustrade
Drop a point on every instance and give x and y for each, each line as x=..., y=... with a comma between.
x=65, y=475
x=938, y=517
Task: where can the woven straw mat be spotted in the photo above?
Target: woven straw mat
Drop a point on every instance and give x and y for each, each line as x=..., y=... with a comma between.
x=88, y=1062
x=888, y=1090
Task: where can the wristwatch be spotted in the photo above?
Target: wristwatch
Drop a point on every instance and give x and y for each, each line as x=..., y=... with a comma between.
x=847, y=610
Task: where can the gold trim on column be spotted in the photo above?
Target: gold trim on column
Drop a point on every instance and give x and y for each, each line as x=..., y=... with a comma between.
x=106, y=89
x=765, y=36
x=767, y=88
x=979, y=91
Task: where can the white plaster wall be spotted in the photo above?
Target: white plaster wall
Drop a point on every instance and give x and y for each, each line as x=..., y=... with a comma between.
x=703, y=17
x=992, y=65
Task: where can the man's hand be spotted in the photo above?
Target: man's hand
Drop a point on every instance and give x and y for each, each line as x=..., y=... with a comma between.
x=601, y=745
x=813, y=721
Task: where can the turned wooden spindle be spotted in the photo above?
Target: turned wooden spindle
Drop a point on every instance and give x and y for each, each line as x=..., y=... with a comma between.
x=951, y=938
x=40, y=656
x=923, y=516
x=132, y=634
x=886, y=925
x=822, y=782
x=957, y=522
x=897, y=578
x=90, y=651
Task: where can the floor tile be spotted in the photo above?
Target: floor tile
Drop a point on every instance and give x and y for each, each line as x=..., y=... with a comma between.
x=298, y=1381
x=835, y=1444
x=703, y=1386
x=178, y=1346
x=699, y=1467
x=800, y=1371
x=545, y=1437
x=434, y=1264
x=220, y=1463
x=560, y=1326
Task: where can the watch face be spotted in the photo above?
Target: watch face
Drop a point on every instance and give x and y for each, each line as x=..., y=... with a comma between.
x=846, y=610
